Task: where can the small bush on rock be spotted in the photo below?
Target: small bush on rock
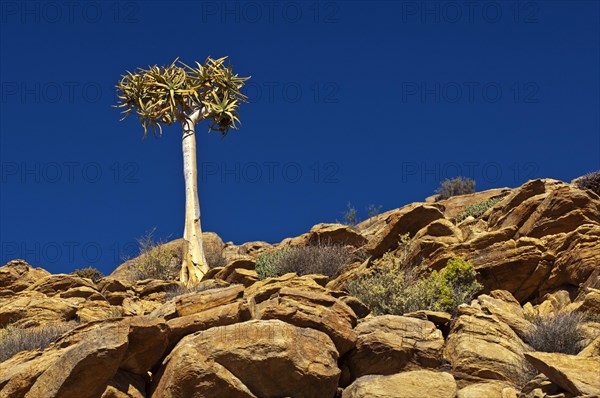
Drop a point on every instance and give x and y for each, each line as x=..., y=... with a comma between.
x=179, y=290
x=350, y=216
x=477, y=209
x=559, y=332
x=455, y=186
x=589, y=181
x=323, y=259
x=89, y=272
x=214, y=256
x=393, y=289
x=14, y=340
x=155, y=260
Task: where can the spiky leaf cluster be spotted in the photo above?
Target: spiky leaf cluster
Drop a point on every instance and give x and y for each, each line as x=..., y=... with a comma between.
x=166, y=94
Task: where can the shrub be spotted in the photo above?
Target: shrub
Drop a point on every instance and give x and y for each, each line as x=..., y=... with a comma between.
x=373, y=210
x=179, y=290
x=323, y=259
x=476, y=209
x=214, y=256
x=394, y=289
x=155, y=260
x=14, y=339
x=455, y=186
x=89, y=272
x=350, y=216
x=559, y=332
x=589, y=181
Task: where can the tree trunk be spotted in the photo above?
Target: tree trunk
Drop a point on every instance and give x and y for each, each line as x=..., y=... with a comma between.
x=194, y=264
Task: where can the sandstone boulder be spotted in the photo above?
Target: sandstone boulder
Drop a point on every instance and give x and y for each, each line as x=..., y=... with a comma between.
x=562, y=210
x=389, y=344
x=309, y=310
x=507, y=309
x=31, y=308
x=125, y=385
x=482, y=347
x=222, y=315
x=147, y=341
x=578, y=375
x=250, y=359
x=490, y=389
x=77, y=365
x=52, y=285
x=17, y=275
x=576, y=259
x=409, y=219
x=414, y=384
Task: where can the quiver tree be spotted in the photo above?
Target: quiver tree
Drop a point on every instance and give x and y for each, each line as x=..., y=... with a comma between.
x=181, y=93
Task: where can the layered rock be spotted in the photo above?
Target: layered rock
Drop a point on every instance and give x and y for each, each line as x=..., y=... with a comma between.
x=243, y=360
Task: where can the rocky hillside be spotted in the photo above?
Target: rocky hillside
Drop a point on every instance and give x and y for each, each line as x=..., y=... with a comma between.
x=536, y=251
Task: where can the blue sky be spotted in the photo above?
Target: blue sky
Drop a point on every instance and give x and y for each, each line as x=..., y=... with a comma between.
x=350, y=101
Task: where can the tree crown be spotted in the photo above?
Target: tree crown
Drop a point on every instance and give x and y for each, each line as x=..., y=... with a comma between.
x=165, y=94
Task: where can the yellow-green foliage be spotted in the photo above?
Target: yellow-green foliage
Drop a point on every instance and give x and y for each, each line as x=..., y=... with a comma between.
x=391, y=289
x=268, y=264
x=476, y=209
x=162, y=94
x=89, y=272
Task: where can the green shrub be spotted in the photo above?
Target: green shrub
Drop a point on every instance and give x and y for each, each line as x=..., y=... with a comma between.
x=589, y=181
x=14, y=339
x=559, y=332
x=89, y=272
x=455, y=186
x=323, y=259
x=476, y=209
x=393, y=289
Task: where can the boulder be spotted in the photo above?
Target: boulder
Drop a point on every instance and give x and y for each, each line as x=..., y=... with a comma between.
x=269, y=287
x=250, y=359
x=52, y=285
x=576, y=374
x=489, y=389
x=31, y=308
x=480, y=346
x=591, y=303
x=17, y=275
x=222, y=315
x=414, y=384
x=507, y=309
x=309, y=310
x=519, y=267
x=562, y=210
x=576, y=259
x=125, y=385
x=193, y=303
x=147, y=341
x=520, y=203
x=388, y=344
x=409, y=219
x=247, y=263
x=77, y=365
x=455, y=205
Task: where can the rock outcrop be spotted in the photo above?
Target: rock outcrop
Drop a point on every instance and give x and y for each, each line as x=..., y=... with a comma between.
x=536, y=251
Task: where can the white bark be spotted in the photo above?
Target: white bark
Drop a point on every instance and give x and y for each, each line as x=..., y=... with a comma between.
x=194, y=264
